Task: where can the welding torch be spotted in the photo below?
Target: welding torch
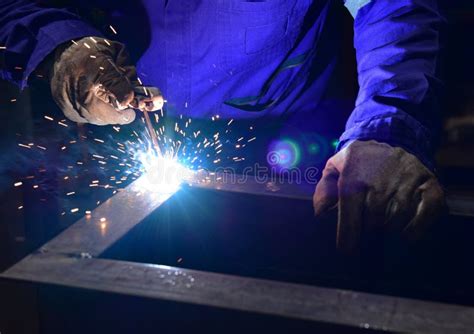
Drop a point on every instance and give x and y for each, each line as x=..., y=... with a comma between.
x=146, y=99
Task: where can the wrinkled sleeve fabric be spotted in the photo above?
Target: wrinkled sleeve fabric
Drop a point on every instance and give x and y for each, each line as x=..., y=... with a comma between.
x=397, y=46
x=29, y=32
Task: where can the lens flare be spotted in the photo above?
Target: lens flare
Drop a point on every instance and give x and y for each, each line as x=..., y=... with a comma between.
x=284, y=153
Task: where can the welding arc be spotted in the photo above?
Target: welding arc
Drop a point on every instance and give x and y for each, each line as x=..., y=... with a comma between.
x=154, y=140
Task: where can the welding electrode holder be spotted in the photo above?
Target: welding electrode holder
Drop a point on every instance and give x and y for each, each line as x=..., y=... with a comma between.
x=143, y=101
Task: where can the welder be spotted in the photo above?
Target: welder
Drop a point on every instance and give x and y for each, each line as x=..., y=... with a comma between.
x=257, y=59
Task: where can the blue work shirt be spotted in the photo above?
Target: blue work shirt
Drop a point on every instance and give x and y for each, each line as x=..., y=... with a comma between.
x=263, y=59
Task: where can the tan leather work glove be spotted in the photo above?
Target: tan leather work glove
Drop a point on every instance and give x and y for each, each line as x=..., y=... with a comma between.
x=93, y=81
x=378, y=187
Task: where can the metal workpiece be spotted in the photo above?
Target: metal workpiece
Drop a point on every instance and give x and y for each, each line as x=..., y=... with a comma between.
x=247, y=294
x=461, y=205
x=93, y=233
x=249, y=184
x=72, y=260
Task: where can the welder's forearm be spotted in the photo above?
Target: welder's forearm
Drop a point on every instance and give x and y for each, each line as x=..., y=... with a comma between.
x=28, y=33
x=397, y=44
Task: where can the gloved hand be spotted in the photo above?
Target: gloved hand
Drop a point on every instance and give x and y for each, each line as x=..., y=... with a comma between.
x=377, y=187
x=92, y=81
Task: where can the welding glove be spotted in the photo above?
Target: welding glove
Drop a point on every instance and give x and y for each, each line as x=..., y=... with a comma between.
x=93, y=81
x=377, y=188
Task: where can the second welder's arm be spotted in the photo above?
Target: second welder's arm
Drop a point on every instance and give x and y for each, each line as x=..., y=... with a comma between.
x=397, y=46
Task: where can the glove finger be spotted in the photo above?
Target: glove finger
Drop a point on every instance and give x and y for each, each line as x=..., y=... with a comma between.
x=428, y=210
x=131, y=73
x=99, y=112
x=121, y=59
x=114, y=50
x=403, y=205
x=116, y=83
x=325, y=196
x=120, y=55
x=148, y=98
x=352, y=195
x=376, y=203
x=153, y=104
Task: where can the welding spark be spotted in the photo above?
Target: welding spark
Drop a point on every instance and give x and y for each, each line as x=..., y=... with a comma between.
x=113, y=29
x=128, y=154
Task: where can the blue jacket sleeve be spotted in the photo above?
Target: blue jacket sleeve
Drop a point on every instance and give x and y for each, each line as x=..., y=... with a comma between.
x=397, y=45
x=29, y=32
